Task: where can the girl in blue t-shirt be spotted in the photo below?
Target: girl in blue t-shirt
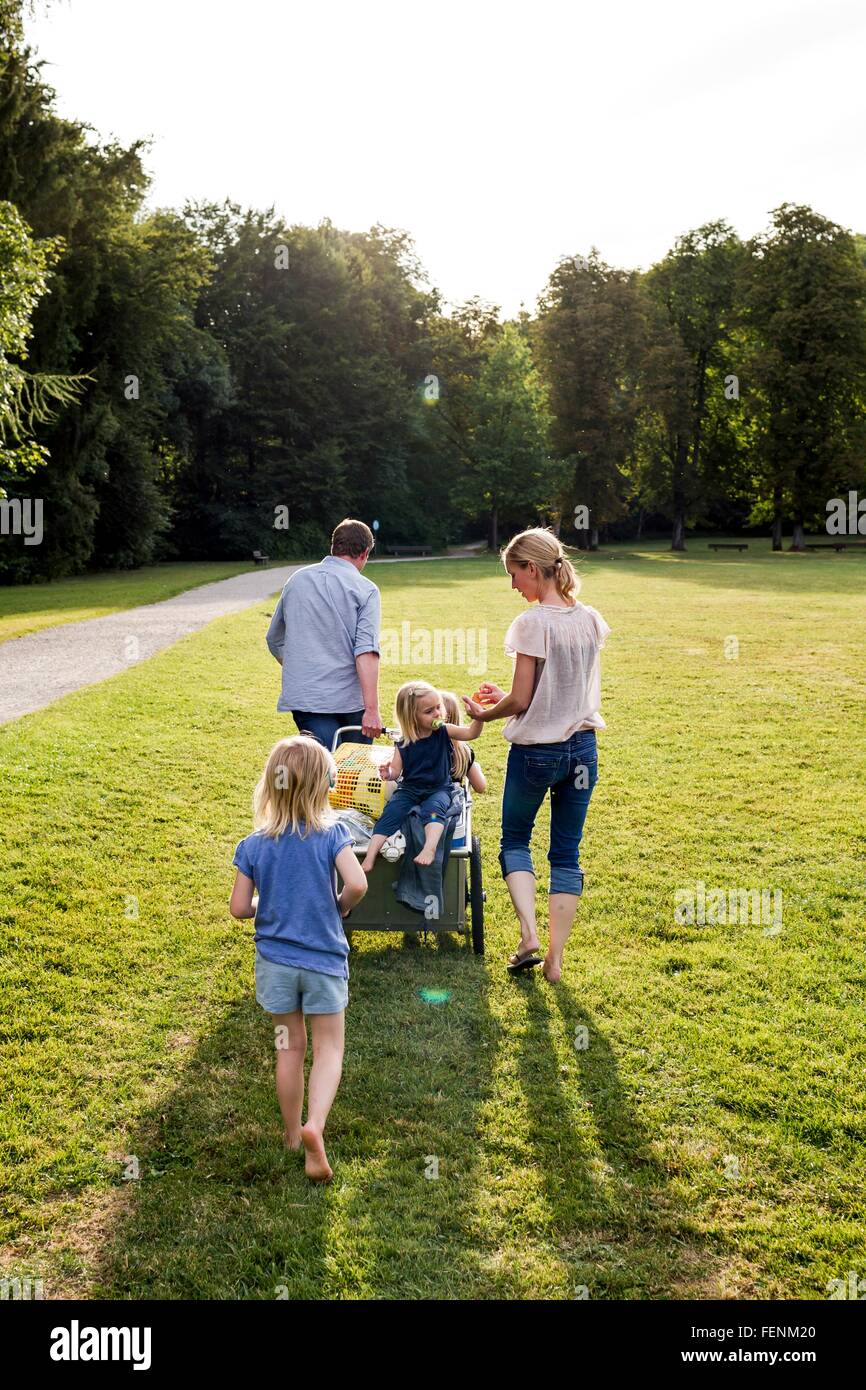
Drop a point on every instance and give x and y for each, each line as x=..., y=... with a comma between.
x=301, y=948
x=423, y=760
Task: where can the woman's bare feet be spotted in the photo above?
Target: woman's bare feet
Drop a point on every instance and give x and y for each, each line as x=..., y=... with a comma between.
x=552, y=970
x=293, y=1141
x=316, y=1165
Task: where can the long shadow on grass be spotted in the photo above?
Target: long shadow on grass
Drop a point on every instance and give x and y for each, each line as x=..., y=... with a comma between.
x=420, y=1067
x=222, y=1211
x=611, y=1207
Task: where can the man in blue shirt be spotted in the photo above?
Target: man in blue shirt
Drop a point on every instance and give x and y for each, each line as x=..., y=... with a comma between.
x=325, y=635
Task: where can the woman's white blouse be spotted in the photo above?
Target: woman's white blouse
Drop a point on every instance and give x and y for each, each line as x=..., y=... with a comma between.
x=567, y=694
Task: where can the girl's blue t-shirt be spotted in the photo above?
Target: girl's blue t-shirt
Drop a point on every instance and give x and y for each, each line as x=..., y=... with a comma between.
x=427, y=761
x=298, y=921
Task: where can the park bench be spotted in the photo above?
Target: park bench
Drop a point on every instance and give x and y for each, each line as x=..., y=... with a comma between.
x=829, y=545
x=259, y=558
x=726, y=545
x=409, y=550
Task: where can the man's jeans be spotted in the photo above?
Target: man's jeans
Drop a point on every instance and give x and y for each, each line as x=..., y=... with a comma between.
x=324, y=726
x=569, y=771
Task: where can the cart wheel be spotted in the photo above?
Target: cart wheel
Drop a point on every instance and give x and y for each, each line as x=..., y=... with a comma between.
x=476, y=897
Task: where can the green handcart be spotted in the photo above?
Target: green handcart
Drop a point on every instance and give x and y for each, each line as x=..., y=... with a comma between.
x=463, y=889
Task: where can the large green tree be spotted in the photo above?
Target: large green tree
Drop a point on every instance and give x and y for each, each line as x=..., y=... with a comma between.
x=590, y=336
x=26, y=398
x=321, y=332
x=120, y=311
x=489, y=419
x=691, y=298
x=805, y=304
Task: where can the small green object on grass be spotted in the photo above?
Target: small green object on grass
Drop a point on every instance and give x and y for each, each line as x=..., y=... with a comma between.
x=435, y=996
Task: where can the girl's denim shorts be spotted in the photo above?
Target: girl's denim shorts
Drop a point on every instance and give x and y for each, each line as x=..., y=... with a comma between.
x=289, y=989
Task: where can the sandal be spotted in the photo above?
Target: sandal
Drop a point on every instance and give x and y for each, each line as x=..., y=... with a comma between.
x=519, y=962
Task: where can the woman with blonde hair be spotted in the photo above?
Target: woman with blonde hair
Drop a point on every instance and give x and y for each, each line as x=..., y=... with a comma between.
x=301, y=949
x=552, y=713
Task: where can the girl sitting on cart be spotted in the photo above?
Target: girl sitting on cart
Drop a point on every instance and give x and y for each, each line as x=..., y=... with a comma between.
x=423, y=759
x=463, y=760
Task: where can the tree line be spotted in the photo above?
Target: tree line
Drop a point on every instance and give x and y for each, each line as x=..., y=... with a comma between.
x=204, y=382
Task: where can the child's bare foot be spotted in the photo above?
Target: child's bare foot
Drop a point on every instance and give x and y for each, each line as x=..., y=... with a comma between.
x=316, y=1165
x=367, y=864
x=425, y=856
x=293, y=1141
x=552, y=970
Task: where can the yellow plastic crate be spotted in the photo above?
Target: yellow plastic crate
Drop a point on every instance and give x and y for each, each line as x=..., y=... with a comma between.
x=358, y=782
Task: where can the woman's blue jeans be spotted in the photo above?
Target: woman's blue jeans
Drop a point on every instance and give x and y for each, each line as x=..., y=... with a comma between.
x=569, y=771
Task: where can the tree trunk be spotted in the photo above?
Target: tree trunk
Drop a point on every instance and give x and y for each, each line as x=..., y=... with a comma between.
x=494, y=527
x=639, y=523
x=556, y=524
x=678, y=540
x=700, y=407
x=777, y=517
x=798, y=541
x=593, y=538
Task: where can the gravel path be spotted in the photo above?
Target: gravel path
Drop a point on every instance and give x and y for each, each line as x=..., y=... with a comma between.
x=43, y=666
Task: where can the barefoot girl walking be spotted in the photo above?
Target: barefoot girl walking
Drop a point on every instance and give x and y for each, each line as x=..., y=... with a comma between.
x=552, y=714
x=301, y=949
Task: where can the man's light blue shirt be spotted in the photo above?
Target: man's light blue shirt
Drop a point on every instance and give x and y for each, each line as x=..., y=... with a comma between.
x=327, y=615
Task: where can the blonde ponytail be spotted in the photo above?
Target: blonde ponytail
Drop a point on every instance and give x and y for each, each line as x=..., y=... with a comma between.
x=545, y=550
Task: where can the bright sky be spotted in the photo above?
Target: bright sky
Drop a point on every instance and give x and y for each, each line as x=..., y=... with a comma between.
x=502, y=136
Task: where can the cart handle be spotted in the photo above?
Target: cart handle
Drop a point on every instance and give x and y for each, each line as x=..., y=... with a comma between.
x=355, y=728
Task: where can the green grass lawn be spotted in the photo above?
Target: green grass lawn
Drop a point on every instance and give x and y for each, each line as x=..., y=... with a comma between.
x=707, y=1143
x=29, y=607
